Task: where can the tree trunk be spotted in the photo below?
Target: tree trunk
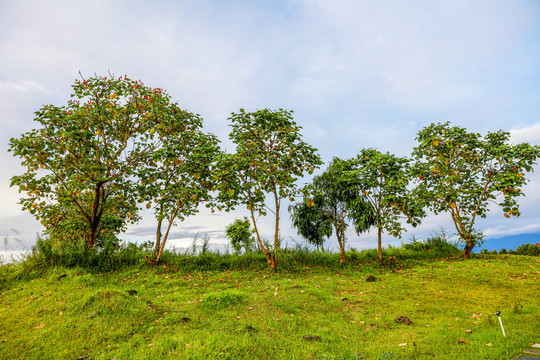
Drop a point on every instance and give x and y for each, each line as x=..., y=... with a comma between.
x=467, y=250
x=91, y=238
x=273, y=265
x=341, y=242
x=380, y=245
x=343, y=257
x=94, y=218
x=267, y=253
x=160, y=242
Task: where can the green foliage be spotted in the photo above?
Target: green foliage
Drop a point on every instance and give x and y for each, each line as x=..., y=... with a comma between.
x=436, y=245
x=270, y=157
x=240, y=235
x=177, y=176
x=111, y=256
x=222, y=299
x=330, y=202
x=82, y=160
x=311, y=221
x=382, y=180
x=528, y=249
x=461, y=173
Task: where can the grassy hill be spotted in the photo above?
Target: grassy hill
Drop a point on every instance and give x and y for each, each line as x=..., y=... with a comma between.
x=312, y=312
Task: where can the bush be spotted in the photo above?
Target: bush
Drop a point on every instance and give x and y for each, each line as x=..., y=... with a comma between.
x=239, y=233
x=488, y=252
x=436, y=245
x=111, y=256
x=528, y=249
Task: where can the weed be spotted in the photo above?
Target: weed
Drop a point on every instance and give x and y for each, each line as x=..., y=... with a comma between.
x=222, y=299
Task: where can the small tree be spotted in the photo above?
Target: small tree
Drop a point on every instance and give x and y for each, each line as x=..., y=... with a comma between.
x=461, y=173
x=240, y=235
x=81, y=160
x=331, y=204
x=382, y=180
x=270, y=156
x=177, y=177
x=311, y=221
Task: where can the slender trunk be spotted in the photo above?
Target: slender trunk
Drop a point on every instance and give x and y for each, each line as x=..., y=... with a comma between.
x=379, y=226
x=261, y=245
x=159, y=249
x=341, y=242
x=158, y=238
x=380, y=244
x=273, y=265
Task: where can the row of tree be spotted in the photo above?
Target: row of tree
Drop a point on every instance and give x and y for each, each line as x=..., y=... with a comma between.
x=451, y=170
x=119, y=146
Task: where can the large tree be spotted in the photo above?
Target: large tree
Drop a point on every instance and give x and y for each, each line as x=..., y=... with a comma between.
x=270, y=156
x=177, y=176
x=461, y=173
x=382, y=179
x=81, y=160
x=330, y=203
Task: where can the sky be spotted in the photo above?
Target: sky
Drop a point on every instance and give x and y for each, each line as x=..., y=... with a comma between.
x=357, y=74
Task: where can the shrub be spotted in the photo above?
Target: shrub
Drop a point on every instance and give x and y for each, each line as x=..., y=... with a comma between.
x=528, y=249
x=436, y=245
x=222, y=299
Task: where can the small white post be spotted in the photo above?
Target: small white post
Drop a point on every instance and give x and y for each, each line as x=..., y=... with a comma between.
x=498, y=313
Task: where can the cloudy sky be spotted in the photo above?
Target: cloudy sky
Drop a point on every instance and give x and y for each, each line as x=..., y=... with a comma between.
x=357, y=74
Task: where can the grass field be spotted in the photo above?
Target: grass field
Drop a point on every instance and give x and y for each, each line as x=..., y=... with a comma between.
x=310, y=313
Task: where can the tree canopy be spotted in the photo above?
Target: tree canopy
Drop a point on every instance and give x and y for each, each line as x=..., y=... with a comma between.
x=461, y=173
x=270, y=157
x=382, y=180
x=331, y=202
x=81, y=161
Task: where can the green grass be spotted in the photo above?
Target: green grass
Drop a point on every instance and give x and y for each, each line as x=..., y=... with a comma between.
x=166, y=313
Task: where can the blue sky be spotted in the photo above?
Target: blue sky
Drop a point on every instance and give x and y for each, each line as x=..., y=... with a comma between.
x=357, y=74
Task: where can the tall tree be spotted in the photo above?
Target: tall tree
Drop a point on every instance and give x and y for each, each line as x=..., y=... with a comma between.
x=81, y=160
x=330, y=204
x=382, y=180
x=461, y=173
x=177, y=176
x=270, y=156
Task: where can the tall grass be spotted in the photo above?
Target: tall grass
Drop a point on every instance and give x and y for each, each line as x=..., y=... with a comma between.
x=116, y=256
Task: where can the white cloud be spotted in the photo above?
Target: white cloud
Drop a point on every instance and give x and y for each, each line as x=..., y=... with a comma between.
x=23, y=86
x=501, y=231
x=357, y=74
x=527, y=134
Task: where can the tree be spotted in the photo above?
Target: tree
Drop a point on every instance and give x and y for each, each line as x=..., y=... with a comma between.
x=81, y=160
x=331, y=203
x=239, y=233
x=461, y=173
x=382, y=180
x=270, y=156
x=177, y=176
x=310, y=219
